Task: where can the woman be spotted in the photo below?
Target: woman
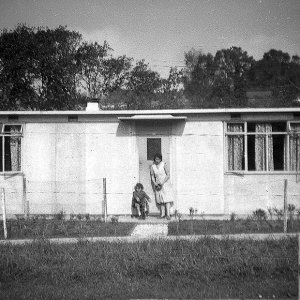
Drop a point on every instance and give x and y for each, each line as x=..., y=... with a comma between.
x=161, y=183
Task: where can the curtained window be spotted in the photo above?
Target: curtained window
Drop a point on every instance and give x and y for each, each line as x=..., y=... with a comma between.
x=235, y=147
x=10, y=148
x=258, y=146
x=263, y=148
x=294, y=150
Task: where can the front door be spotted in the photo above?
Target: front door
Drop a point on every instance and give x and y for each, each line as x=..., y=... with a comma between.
x=147, y=147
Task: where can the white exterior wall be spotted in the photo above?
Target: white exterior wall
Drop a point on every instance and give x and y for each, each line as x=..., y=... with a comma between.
x=65, y=164
x=199, y=168
x=14, y=198
x=245, y=194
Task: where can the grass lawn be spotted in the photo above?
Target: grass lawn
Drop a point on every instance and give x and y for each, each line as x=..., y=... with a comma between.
x=37, y=228
x=206, y=268
x=187, y=227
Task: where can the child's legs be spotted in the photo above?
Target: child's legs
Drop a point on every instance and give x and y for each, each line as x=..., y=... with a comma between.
x=168, y=204
x=138, y=209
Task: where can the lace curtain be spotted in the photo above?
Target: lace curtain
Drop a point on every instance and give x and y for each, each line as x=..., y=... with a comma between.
x=14, y=154
x=12, y=151
x=263, y=149
x=295, y=148
x=235, y=147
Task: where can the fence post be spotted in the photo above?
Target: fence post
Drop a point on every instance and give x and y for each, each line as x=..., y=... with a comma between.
x=285, y=207
x=4, y=212
x=25, y=203
x=104, y=200
x=298, y=265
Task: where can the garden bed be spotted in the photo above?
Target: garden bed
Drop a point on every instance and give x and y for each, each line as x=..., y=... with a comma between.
x=44, y=228
x=187, y=227
x=207, y=268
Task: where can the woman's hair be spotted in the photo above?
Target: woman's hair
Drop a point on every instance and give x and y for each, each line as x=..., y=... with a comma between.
x=157, y=155
x=139, y=185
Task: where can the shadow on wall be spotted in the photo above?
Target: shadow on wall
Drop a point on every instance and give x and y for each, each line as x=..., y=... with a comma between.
x=155, y=127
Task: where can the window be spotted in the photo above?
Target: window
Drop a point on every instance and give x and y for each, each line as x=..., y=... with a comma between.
x=294, y=147
x=263, y=146
x=153, y=147
x=10, y=148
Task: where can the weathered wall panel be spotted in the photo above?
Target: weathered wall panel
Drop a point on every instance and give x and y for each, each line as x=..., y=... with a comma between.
x=199, y=168
x=65, y=165
x=244, y=194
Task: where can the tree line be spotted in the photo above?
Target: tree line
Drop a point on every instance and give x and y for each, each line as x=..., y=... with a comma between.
x=55, y=69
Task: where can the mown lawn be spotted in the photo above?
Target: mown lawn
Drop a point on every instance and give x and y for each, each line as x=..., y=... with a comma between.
x=43, y=228
x=206, y=268
x=187, y=227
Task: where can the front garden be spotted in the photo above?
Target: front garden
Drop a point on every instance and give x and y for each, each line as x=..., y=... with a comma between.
x=82, y=226
x=261, y=221
x=79, y=226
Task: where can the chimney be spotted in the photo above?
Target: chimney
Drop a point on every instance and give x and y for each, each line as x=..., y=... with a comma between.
x=92, y=106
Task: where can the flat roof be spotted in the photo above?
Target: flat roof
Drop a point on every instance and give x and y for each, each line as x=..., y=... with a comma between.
x=152, y=117
x=155, y=112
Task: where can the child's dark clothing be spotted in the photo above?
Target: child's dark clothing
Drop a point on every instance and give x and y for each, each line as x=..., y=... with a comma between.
x=142, y=202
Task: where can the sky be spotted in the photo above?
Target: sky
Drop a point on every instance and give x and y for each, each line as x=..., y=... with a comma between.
x=161, y=31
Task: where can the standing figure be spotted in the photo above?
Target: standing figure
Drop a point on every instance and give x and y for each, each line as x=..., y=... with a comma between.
x=160, y=178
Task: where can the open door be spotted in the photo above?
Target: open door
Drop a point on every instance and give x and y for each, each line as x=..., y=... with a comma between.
x=147, y=147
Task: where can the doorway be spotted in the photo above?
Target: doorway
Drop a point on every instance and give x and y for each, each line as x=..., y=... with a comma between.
x=148, y=145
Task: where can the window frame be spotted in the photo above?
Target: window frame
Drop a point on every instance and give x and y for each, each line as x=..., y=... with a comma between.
x=245, y=133
x=4, y=134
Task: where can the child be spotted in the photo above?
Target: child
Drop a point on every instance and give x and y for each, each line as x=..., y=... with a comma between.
x=140, y=201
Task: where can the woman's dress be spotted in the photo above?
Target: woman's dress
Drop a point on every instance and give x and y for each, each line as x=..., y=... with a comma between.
x=166, y=194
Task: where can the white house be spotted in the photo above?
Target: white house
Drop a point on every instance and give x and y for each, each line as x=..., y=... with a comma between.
x=221, y=160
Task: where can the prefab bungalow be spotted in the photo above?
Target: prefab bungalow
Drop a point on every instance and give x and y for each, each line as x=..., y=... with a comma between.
x=221, y=161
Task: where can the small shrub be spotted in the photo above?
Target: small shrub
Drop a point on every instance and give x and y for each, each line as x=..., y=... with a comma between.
x=259, y=214
x=232, y=217
x=192, y=211
x=114, y=219
x=87, y=217
x=291, y=209
x=60, y=215
x=270, y=211
x=278, y=213
x=79, y=217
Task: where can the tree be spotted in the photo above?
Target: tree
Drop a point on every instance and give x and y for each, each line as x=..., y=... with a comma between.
x=16, y=67
x=56, y=68
x=199, y=77
x=38, y=68
x=100, y=73
x=217, y=81
x=231, y=68
x=171, y=94
x=280, y=74
x=142, y=86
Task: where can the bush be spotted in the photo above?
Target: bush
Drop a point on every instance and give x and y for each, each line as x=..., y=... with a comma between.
x=259, y=215
x=60, y=215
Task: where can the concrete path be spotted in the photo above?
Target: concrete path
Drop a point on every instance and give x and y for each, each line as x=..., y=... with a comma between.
x=150, y=230
x=139, y=238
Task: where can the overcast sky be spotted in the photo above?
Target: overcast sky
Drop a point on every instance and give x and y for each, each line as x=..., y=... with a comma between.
x=160, y=31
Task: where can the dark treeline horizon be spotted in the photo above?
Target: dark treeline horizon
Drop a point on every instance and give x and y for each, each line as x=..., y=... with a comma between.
x=56, y=69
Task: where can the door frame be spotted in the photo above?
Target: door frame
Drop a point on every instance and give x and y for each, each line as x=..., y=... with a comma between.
x=172, y=159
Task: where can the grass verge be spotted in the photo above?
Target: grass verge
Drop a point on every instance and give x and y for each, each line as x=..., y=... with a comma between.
x=207, y=268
